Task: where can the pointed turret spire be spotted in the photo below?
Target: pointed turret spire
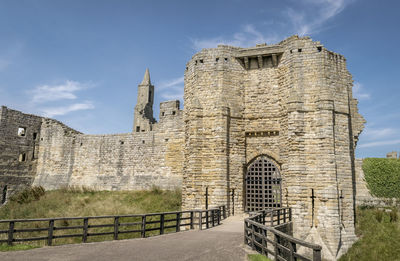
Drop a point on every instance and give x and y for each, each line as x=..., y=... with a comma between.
x=146, y=78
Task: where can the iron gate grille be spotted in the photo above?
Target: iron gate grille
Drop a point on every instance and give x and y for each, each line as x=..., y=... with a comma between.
x=263, y=185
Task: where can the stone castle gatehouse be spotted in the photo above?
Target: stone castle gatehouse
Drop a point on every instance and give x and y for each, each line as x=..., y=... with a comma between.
x=262, y=127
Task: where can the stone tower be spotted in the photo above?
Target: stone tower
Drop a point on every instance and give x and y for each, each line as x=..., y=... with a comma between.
x=274, y=126
x=143, y=116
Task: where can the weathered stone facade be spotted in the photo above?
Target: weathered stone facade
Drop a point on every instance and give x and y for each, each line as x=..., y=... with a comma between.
x=288, y=104
x=291, y=102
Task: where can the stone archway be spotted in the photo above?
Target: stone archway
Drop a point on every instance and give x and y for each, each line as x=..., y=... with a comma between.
x=262, y=184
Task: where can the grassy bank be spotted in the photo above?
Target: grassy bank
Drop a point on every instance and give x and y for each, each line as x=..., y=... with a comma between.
x=379, y=233
x=379, y=237
x=36, y=203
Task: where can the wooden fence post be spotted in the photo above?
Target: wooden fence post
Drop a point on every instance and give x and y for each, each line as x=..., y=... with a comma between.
x=50, y=232
x=272, y=218
x=162, y=218
x=279, y=216
x=292, y=247
x=191, y=220
x=245, y=232
x=116, y=227
x=284, y=215
x=10, y=233
x=276, y=247
x=219, y=216
x=264, y=242
x=290, y=214
x=207, y=224
x=213, y=217
x=143, y=226
x=200, y=220
x=253, y=238
x=178, y=222
x=224, y=210
x=85, y=229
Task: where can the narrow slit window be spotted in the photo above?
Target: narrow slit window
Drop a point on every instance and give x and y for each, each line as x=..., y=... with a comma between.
x=173, y=113
x=34, y=136
x=137, y=128
x=22, y=157
x=4, y=196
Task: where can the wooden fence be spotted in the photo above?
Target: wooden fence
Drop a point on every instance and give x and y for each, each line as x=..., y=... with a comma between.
x=140, y=225
x=262, y=233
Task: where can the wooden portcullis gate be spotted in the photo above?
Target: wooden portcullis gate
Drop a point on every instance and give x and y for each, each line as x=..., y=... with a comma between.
x=263, y=185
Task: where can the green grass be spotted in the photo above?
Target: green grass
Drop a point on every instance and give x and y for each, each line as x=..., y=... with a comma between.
x=75, y=202
x=379, y=233
x=4, y=248
x=257, y=257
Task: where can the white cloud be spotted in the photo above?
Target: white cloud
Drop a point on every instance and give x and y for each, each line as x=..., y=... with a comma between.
x=171, y=89
x=373, y=134
x=47, y=93
x=314, y=14
x=169, y=83
x=247, y=36
x=43, y=98
x=308, y=17
x=62, y=110
x=379, y=143
x=359, y=92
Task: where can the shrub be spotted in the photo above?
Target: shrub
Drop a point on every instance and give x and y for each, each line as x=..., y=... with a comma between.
x=393, y=215
x=382, y=176
x=28, y=195
x=379, y=215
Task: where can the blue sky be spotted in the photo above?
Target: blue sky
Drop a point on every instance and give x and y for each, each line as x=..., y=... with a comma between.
x=80, y=61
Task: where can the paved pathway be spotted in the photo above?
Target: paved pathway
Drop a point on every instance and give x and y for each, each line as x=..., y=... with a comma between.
x=224, y=242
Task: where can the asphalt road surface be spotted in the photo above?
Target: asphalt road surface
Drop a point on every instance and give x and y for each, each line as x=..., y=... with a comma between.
x=224, y=242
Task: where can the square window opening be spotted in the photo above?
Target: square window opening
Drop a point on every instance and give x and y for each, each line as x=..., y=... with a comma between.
x=21, y=131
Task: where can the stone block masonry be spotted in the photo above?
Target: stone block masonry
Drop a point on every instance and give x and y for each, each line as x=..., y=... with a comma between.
x=266, y=126
x=290, y=103
x=44, y=152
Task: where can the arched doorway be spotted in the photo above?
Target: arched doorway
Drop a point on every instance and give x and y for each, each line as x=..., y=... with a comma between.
x=263, y=185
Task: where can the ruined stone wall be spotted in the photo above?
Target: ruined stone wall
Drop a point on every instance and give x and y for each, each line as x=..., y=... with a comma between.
x=19, y=135
x=130, y=161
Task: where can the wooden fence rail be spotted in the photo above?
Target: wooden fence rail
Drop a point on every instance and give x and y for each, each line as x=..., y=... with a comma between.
x=262, y=234
x=139, y=225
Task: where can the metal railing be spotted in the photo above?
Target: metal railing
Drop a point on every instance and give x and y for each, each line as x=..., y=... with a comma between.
x=138, y=225
x=262, y=233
